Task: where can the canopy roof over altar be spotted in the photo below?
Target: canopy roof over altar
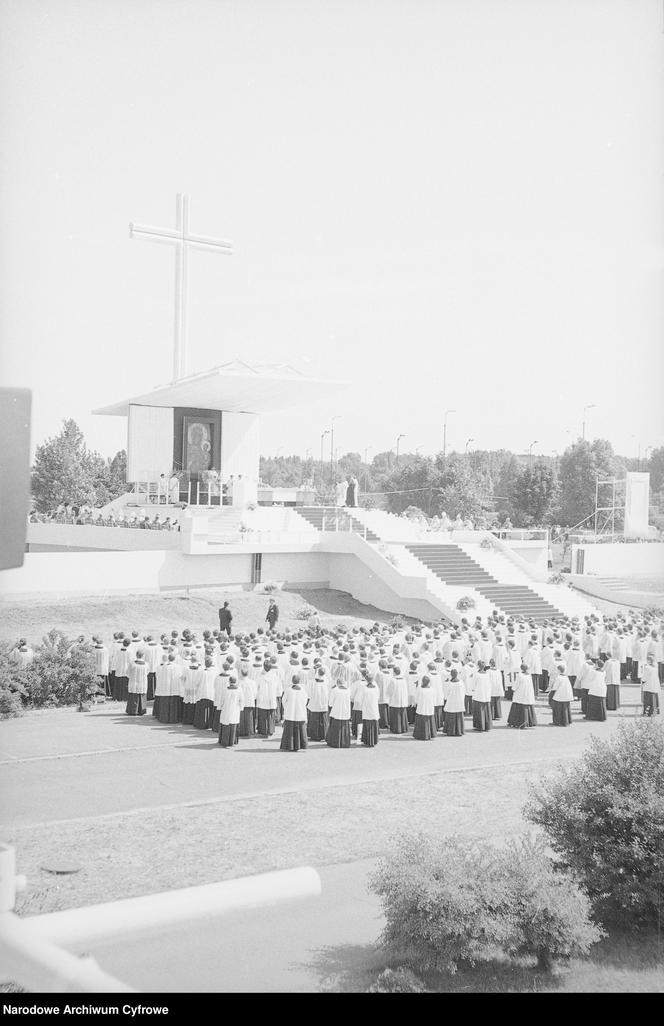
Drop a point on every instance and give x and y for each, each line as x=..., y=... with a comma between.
x=234, y=387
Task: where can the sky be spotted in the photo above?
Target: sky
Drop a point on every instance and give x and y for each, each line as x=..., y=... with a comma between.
x=450, y=204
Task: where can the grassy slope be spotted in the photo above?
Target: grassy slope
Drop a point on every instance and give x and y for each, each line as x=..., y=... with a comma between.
x=158, y=613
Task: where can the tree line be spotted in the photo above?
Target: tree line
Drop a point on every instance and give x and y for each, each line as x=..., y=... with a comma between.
x=540, y=491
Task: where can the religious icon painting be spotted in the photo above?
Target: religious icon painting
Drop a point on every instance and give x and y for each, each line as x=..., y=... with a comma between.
x=197, y=445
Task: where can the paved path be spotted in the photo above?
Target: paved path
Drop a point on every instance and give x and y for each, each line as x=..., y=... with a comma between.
x=300, y=946
x=59, y=764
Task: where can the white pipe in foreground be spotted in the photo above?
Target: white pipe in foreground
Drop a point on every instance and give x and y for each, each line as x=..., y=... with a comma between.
x=39, y=965
x=170, y=908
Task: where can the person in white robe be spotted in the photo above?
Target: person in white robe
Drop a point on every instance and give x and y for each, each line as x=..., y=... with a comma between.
x=338, y=731
x=152, y=652
x=512, y=668
x=192, y=679
x=613, y=672
x=231, y=708
x=169, y=693
x=101, y=658
x=137, y=686
x=596, y=708
x=249, y=689
x=294, y=734
x=340, y=490
x=269, y=684
x=573, y=662
x=318, y=717
x=204, y=707
x=481, y=707
x=522, y=710
x=455, y=705
x=122, y=664
x=425, y=721
x=369, y=705
x=562, y=695
x=398, y=702
x=497, y=691
x=652, y=689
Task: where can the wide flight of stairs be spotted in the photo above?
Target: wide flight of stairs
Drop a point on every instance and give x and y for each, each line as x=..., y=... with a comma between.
x=333, y=518
x=455, y=567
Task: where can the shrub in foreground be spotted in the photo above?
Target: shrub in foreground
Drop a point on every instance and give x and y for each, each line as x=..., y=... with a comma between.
x=15, y=686
x=63, y=675
x=452, y=902
x=604, y=817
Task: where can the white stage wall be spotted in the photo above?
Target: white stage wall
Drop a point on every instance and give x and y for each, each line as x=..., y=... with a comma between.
x=637, y=498
x=239, y=447
x=149, y=443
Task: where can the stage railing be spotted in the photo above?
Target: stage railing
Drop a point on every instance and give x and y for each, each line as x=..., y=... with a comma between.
x=30, y=952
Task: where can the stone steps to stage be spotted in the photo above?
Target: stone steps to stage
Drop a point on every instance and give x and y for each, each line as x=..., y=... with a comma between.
x=332, y=518
x=455, y=567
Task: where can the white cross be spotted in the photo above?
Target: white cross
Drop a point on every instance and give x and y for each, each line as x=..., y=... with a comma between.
x=183, y=240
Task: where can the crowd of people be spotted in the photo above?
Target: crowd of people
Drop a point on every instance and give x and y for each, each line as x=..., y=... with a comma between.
x=71, y=514
x=339, y=685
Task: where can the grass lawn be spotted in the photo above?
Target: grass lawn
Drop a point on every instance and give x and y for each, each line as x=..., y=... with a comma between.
x=154, y=614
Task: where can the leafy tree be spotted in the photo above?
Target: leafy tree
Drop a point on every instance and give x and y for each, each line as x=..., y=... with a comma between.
x=580, y=466
x=65, y=470
x=610, y=830
x=460, y=490
x=534, y=495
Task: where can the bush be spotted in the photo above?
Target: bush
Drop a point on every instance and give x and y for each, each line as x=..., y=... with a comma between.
x=557, y=578
x=304, y=612
x=488, y=543
x=457, y=902
x=397, y=623
x=466, y=602
x=63, y=678
x=16, y=686
x=604, y=816
x=397, y=981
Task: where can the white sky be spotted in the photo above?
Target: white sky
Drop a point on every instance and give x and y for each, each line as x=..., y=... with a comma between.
x=450, y=203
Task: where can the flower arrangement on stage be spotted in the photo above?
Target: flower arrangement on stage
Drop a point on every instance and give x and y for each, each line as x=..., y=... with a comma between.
x=465, y=602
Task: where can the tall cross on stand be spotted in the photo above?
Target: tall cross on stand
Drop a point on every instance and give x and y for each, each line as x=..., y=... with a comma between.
x=183, y=240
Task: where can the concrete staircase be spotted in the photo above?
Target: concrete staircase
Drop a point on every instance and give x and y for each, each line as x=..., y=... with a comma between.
x=456, y=568
x=332, y=518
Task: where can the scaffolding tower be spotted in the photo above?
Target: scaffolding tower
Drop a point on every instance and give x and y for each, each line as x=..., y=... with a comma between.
x=609, y=504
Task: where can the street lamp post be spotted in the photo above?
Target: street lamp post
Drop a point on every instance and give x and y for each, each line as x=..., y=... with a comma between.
x=332, y=467
x=530, y=451
x=322, y=462
x=398, y=440
x=366, y=467
x=447, y=413
x=590, y=406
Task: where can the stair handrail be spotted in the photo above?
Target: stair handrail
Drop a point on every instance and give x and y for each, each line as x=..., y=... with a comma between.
x=513, y=556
